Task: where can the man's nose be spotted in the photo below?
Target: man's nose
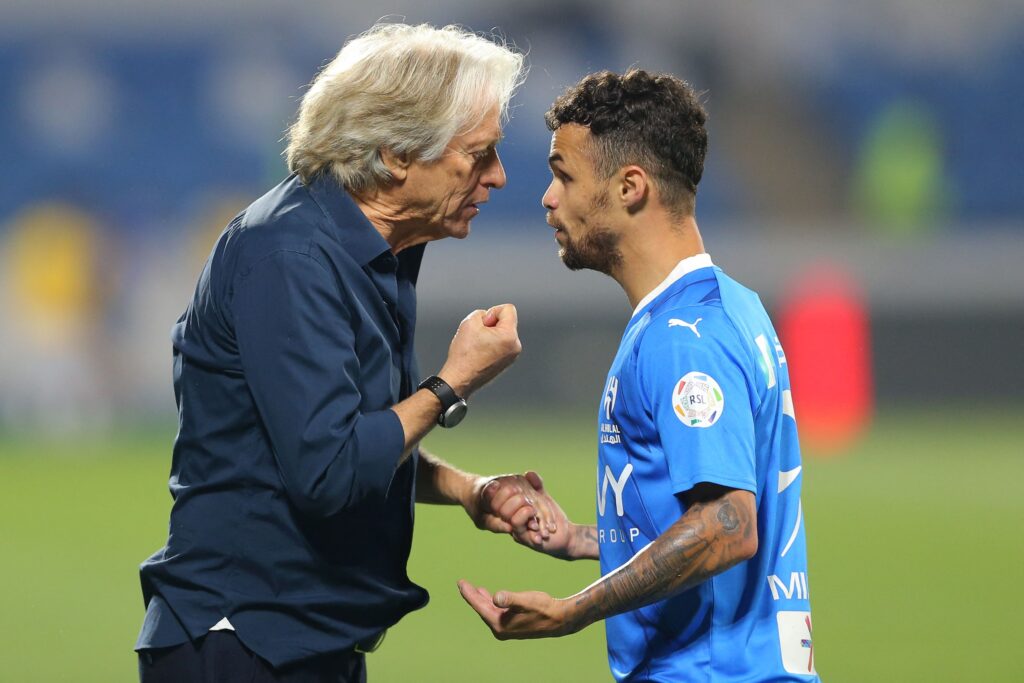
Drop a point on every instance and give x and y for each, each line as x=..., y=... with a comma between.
x=548, y=201
x=494, y=176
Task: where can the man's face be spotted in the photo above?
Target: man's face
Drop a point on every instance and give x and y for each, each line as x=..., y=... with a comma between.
x=579, y=204
x=446, y=194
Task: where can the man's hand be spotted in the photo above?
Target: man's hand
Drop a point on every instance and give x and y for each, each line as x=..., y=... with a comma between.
x=486, y=343
x=522, y=615
x=553, y=533
x=517, y=504
x=505, y=504
x=717, y=532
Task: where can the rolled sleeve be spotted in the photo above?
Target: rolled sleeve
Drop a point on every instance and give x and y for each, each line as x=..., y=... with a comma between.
x=297, y=348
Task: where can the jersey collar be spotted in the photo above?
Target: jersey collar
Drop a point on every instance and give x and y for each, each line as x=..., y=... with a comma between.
x=682, y=269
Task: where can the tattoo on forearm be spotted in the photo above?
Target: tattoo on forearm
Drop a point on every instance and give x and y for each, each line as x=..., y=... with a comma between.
x=728, y=516
x=586, y=541
x=707, y=540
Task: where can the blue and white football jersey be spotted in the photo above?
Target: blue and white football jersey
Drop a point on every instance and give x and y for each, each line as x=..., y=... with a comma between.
x=699, y=392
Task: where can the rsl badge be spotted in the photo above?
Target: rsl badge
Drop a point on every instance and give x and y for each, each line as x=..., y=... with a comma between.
x=698, y=400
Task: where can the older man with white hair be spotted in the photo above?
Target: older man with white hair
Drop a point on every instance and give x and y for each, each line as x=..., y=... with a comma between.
x=300, y=408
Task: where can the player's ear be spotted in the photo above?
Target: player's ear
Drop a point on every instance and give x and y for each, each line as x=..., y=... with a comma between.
x=634, y=186
x=397, y=163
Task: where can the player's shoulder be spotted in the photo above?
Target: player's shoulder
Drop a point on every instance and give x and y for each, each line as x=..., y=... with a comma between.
x=687, y=324
x=702, y=331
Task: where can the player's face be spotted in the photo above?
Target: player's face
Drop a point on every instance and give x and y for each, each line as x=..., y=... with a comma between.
x=579, y=204
x=446, y=194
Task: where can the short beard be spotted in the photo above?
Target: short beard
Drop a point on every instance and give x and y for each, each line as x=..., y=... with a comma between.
x=596, y=250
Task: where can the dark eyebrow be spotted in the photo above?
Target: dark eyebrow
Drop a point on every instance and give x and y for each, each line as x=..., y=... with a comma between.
x=558, y=165
x=556, y=162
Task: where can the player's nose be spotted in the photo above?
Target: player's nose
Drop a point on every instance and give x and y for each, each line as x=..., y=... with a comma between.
x=549, y=201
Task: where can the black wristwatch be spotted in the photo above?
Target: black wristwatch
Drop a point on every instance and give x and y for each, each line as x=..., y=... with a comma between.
x=453, y=406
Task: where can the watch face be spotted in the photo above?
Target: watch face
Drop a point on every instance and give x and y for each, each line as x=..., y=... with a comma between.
x=454, y=414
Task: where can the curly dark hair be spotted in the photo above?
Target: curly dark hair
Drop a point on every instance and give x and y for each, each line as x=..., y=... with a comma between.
x=655, y=121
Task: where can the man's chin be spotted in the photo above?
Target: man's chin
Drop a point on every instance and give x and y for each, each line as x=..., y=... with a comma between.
x=575, y=260
x=459, y=231
x=569, y=260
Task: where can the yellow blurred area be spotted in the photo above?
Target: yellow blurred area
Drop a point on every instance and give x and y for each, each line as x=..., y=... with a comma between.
x=51, y=261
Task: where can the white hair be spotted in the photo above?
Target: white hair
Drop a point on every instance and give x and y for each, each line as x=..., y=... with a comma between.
x=409, y=89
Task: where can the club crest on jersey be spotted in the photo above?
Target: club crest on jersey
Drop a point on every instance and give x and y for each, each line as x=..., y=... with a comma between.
x=697, y=399
x=611, y=392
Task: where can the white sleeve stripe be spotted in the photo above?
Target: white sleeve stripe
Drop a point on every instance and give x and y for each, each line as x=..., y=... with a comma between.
x=796, y=528
x=787, y=404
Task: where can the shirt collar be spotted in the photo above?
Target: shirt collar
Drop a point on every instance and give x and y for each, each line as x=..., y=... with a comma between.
x=682, y=269
x=350, y=225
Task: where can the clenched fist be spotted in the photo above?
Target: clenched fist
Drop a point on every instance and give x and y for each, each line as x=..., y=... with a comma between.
x=486, y=343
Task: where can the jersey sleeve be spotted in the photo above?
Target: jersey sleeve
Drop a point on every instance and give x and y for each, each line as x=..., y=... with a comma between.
x=690, y=367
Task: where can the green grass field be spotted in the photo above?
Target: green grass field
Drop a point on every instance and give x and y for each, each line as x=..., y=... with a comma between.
x=915, y=544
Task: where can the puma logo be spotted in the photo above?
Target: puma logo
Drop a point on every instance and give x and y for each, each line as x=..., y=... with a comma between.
x=676, y=322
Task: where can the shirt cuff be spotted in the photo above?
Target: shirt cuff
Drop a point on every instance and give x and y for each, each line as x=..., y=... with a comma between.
x=382, y=441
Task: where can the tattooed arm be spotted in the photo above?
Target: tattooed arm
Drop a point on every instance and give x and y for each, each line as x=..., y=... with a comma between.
x=718, y=531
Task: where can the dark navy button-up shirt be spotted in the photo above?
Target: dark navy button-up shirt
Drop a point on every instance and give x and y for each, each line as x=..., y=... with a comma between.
x=291, y=516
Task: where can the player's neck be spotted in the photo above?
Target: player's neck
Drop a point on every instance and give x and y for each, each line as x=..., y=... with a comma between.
x=652, y=252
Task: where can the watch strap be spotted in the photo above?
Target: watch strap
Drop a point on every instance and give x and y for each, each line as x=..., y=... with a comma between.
x=442, y=390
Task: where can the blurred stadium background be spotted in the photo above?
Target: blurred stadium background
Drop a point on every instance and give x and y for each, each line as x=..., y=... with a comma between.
x=865, y=176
